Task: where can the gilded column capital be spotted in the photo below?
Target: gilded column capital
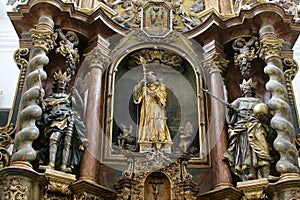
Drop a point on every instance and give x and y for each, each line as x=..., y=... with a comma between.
x=96, y=58
x=270, y=48
x=215, y=63
x=44, y=39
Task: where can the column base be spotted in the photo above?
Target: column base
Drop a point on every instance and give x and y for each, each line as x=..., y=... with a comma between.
x=222, y=192
x=84, y=189
x=59, y=182
x=286, y=188
x=253, y=189
x=18, y=182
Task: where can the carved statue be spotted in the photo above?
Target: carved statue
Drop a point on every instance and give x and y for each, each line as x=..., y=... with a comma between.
x=246, y=54
x=65, y=131
x=125, y=137
x=248, y=120
x=185, y=136
x=67, y=48
x=151, y=93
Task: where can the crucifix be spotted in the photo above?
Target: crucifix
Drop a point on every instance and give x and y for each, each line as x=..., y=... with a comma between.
x=155, y=184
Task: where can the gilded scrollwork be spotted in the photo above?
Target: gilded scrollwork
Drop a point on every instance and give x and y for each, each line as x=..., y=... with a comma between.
x=154, y=55
x=291, y=67
x=22, y=63
x=57, y=190
x=15, y=190
x=140, y=168
x=6, y=134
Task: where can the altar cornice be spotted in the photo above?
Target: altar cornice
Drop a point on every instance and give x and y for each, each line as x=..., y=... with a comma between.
x=215, y=26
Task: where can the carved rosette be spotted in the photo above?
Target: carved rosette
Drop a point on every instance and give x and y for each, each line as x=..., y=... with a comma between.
x=215, y=63
x=270, y=51
x=22, y=63
x=15, y=190
x=289, y=74
x=43, y=41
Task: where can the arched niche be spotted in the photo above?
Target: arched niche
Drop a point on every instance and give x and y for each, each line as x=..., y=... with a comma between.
x=157, y=186
x=178, y=65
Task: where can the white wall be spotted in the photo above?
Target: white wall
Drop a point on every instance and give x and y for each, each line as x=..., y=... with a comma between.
x=9, y=72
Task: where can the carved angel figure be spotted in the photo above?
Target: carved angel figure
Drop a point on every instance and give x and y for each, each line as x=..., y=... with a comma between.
x=247, y=52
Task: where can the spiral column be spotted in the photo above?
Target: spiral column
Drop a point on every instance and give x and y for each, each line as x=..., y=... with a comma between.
x=43, y=41
x=281, y=121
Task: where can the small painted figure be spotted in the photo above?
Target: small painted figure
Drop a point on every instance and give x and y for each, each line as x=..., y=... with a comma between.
x=65, y=133
x=185, y=136
x=125, y=138
x=248, y=153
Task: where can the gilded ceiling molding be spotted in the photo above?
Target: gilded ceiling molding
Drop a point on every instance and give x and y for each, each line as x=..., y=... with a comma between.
x=97, y=58
x=43, y=41
x=289, y=74
x=22, y=63
x=270, y=52
x=215, y=63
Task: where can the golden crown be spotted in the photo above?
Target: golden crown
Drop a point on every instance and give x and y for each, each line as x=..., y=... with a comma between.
x=247, y=83
x=62, y=76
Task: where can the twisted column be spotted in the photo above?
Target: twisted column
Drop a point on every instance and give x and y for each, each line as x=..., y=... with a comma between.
x=215, y=64
x=97, y=61
x=270, y=52
x=43, y=41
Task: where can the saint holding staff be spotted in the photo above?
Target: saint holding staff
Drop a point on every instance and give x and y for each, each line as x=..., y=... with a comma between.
x=151, y=93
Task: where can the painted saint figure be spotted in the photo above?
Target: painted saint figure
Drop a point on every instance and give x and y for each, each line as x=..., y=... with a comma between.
x=248, y=120
x=151, y=93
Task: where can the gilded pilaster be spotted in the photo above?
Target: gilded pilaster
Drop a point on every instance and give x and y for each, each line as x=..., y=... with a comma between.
x=270, y=52
x=43, y=41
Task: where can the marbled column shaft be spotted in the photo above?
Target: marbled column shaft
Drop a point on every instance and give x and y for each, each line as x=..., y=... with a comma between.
x=43, y=41
x=215, y=64
x=97, y=61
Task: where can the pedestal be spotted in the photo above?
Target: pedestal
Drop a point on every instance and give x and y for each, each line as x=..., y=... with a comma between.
x=149, y=146
x=253, y=189
x=21, y=183
x=288, y=187
x=222, y=192
x=84, y=189
x=58, y=187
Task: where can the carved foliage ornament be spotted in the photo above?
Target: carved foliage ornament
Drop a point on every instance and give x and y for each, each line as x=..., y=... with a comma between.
x=129, y=13
x=156, y=57
x=86, y=196
x=270, y=48
x=57, y=190
x=15, y=190
x=22, y=63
